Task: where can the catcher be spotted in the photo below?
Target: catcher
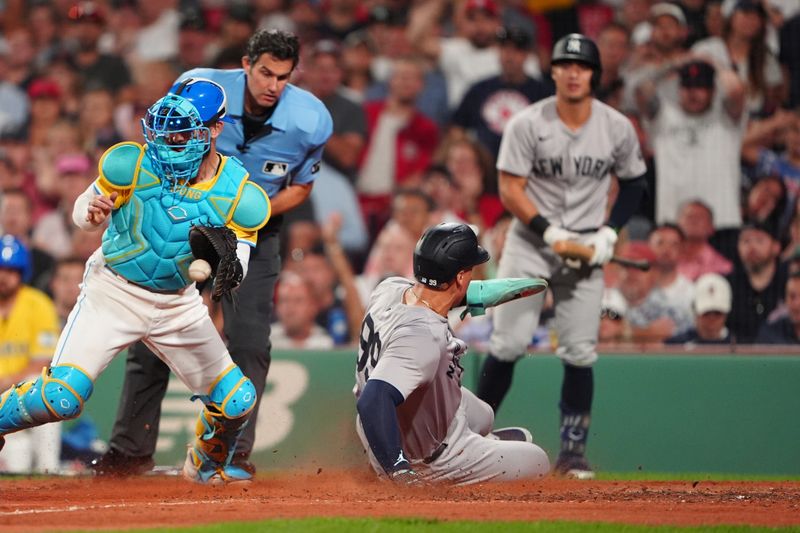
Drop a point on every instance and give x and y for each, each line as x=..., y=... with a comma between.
x=155, y=200
x=416, y=421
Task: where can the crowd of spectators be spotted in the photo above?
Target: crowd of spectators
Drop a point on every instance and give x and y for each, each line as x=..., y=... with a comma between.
x=420, y=92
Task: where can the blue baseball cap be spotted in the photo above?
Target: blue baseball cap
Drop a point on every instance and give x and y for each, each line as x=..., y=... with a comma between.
x=205, y=95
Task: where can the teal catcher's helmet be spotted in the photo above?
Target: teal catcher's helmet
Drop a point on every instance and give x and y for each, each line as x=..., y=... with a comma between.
x=176, y=138
x=14, y=256
x=176, y=128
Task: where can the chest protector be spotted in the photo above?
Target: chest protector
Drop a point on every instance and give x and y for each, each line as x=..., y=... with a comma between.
x=147, y=239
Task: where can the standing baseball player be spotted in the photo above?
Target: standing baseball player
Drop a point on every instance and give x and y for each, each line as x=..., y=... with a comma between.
x=414, y=418
x=278, y=133
x=555, y=162
x=137, y=286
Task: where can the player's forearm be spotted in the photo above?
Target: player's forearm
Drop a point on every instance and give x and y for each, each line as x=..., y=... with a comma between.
x=289, y=198
x=513, y=197
x=377, y=409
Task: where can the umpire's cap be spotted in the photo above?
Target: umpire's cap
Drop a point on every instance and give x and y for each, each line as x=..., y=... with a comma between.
x=443, y=251
x=577, y=47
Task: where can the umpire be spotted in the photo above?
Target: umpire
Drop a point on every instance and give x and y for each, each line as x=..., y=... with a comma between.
x=279, y=133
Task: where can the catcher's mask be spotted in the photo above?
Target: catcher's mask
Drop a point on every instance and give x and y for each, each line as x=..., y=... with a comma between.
x=443, y=251
x=176, y=137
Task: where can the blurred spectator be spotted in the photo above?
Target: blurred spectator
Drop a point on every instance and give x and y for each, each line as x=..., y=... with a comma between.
x=157, y=37
x=237, y=26
x=698, y=257
x=95, y=67
x=666, y=242
x=714, y=21
x=785, y=330
x=20, y=69
x=46, y=109
x=494, y=241
x=16, y=219
x=792, y=250
x=649, y=315
x=614, y=44
x=296, y=309
x=334, y=193
x=696, y=140
x=44, y=22
x=767, y=204
x=400, y=144
x=96, y=120
x=743, y=48
x=488, y=105
x=613, y=308
x=392, y=255
x=781, y=129
x=470, y=56
x=195, y=41
x=53, y=232
x=695, y=13
x=439, y=185
x=84, y=243
x=273, y=14
x=331, y=314
x=28, y=333
x=340, y=17
x=65, y=285
x=412, y=210
x=323, y=77
x=358, y=51
x=758, y=281
x=712, y=303
x=13, y=100
x=472, y=168
x=388, y=32
x=790, y=57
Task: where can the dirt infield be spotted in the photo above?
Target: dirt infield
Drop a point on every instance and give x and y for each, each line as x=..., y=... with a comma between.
x=95, y=504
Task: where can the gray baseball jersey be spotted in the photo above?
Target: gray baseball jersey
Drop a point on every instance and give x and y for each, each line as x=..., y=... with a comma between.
x=413, y=349
x=569, y=171
x=568, y=176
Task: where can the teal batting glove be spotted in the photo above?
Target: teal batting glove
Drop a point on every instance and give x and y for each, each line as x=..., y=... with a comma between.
x=489, y=293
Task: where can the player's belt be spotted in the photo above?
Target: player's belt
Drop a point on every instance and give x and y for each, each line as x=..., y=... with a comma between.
x=145, y=287
x=436, y=453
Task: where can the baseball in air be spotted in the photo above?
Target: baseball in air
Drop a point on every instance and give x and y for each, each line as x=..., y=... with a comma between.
x=199, y=270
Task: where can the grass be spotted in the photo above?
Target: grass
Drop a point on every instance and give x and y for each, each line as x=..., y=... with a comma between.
x=396, y=525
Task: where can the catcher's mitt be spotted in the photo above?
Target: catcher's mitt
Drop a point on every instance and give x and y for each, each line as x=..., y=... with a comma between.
x=217, y=245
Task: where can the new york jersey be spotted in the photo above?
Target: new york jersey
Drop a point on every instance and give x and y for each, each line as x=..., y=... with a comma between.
x=569, y=171
x=413, y=349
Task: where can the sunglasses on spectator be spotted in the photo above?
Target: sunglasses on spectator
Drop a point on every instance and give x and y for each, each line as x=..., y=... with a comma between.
x=610, y=314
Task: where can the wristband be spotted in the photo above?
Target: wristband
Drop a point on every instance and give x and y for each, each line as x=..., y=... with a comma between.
x=538, y=224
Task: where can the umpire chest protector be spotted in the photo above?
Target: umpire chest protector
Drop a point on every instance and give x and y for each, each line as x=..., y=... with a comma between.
x=147, y=239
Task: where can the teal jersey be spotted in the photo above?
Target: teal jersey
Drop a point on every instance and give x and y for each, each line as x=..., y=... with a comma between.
x=147, y=240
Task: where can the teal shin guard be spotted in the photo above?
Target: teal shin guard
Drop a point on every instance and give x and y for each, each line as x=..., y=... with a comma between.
x=58, y=394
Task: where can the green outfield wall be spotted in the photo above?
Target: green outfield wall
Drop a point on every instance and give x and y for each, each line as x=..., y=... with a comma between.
x=657, y=413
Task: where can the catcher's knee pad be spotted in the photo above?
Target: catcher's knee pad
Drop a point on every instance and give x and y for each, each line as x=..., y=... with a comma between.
x=578, y=354
x=233, y=394
x=58, y=394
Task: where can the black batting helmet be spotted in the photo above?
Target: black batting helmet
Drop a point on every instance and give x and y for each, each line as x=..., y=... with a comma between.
x=443, y=251
x=577, y=47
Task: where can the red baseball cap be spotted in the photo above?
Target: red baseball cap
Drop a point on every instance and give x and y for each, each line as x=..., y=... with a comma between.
x=487, y=6
x=637, y=250
x=44, y=88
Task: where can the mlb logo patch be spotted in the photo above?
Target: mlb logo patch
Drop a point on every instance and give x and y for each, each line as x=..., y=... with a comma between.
x=275, y=168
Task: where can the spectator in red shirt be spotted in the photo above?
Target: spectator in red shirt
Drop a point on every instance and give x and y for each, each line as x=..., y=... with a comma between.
x=400, y=144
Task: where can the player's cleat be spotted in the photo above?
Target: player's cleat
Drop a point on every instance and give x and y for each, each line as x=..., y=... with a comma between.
x=573, y=466
x=513, y=433
x=206, y=472
x=118, y=464
x=242, y=461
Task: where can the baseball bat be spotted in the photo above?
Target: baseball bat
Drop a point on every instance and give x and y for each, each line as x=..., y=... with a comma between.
x=575, y=250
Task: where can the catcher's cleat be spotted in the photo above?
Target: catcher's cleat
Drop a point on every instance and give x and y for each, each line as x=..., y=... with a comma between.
x=513, y=434
x=573, y=466
x=207, y=472
x=116, y=463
